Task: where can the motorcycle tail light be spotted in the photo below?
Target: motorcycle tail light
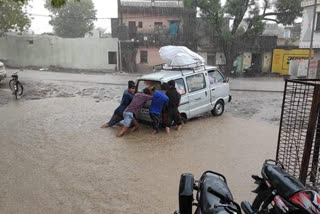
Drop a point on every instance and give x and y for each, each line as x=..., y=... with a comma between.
x=281, y=204
x=307, y=200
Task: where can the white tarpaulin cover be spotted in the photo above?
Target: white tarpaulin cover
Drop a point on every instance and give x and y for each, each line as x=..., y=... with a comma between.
x=180, y=56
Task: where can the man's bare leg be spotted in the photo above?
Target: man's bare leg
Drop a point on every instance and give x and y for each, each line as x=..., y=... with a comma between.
x=179, y=127
x=135, y=126
x=154, y=132
x=105, y=125
x=167, y=130
x=122, y=131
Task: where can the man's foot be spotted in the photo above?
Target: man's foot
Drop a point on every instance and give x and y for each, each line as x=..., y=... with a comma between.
x=167, y=130
x=154, y=132
x=179, y=127
x=122, y=131
x=134, y=128
x=105, y=126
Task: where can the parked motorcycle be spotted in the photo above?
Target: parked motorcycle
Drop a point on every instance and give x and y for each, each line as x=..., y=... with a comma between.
x=279, y=192
x=212, y=195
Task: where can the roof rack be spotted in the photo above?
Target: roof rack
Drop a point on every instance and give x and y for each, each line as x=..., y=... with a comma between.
x=180, y=68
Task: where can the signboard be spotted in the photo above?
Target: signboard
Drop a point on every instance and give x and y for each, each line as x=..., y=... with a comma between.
x=299, y=68
x=313, y=68
x=302, y=69
x=306, y=3
x=281, y=59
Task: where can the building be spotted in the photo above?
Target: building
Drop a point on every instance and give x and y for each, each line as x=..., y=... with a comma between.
x=306, y=31
x=144, y=26
x=251, y=53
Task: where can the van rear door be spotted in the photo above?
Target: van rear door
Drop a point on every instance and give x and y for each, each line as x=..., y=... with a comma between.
x=199, y=95
x=218, y=87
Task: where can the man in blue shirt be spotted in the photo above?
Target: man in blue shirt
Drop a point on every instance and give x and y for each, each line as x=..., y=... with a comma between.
x=159, y=99
x=125, y=101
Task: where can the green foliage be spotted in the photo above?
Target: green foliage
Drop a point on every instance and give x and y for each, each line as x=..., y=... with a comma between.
x=53, y=3
x=13, y=17
x=288, y=10
x=252, y=12
x=74, y=19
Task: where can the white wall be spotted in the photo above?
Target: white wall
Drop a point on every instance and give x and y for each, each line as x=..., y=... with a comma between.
x=78, y=53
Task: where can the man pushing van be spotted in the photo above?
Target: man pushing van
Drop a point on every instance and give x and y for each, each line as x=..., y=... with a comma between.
x=173, y=114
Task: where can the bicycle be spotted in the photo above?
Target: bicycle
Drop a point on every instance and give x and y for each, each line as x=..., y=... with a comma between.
x=15, y=86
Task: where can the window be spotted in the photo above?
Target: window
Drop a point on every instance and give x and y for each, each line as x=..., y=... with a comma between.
x=180, y=86
x=140, y=25
x=318, y=22
x=112, y=57
x=196, y=82
x=142, y=84
x=143, y=56
x=157, y=26
x=215, y=77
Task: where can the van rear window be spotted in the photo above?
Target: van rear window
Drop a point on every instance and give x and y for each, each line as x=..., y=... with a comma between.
x=142, y=84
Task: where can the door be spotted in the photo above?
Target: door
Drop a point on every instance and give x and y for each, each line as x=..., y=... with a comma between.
x=184, y=101
x=218, y=87
x=199, y=97
x=132, y=29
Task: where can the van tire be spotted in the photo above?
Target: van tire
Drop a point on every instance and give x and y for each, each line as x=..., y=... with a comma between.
x=218, y=108
x=183, y=119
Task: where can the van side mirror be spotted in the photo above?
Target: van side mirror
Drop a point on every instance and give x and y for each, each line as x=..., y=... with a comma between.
x=226, y=80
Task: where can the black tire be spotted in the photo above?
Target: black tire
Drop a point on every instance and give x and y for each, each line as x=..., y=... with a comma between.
x=19, y=89
x=218, y=108
x=258, y=201
x=183, y=119
x=11, y=85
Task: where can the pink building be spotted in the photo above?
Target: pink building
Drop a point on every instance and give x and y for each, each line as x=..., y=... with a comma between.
x=148, y=25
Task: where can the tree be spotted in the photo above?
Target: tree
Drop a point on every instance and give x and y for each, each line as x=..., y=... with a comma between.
x=252, y=12
x=13, y=17
x=53, y=3
x=74, y=19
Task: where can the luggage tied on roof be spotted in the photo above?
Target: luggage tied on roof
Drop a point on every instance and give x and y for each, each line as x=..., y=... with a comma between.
x=180, y=56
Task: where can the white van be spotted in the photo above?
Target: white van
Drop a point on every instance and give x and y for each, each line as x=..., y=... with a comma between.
x=202, y=89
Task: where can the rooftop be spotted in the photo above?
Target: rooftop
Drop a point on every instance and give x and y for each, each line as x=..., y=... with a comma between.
x=152, y=3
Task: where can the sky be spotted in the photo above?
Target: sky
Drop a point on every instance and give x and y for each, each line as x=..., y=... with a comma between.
x=105, y=9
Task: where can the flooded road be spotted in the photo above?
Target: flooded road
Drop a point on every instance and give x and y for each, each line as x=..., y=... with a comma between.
x=54, y=158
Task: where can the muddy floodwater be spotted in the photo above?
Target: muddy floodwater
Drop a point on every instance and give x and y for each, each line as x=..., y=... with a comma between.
x=54, y=158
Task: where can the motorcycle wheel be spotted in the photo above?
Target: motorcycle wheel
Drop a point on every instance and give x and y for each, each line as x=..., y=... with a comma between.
x=11, y=85
x=258, y=202
x=19, y=88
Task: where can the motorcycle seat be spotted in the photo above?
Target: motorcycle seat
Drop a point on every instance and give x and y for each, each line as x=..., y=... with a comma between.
x=285, y=184
x=208, y=200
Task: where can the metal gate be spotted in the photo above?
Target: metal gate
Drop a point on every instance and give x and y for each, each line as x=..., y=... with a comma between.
x=299, y=133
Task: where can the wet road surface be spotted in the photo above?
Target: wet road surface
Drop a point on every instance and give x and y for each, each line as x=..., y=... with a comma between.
x=55, y=159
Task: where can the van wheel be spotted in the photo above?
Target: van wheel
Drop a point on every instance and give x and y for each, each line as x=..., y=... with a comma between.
x=183, y=119
x=218, y=108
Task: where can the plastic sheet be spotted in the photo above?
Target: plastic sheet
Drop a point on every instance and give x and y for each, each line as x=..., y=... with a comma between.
x=180, y=56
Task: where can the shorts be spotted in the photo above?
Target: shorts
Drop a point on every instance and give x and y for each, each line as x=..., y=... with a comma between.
x=128, y=118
